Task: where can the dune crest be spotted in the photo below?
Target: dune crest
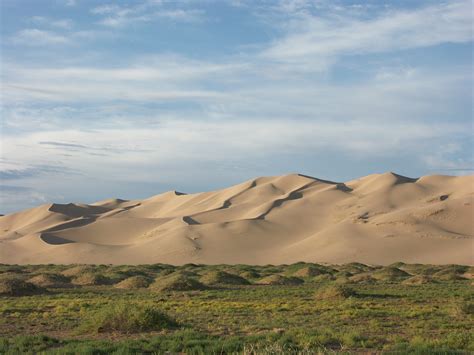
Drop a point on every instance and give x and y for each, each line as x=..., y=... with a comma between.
x=380, y=219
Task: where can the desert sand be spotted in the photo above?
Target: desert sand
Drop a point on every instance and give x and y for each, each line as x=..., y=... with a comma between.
x=377, y=219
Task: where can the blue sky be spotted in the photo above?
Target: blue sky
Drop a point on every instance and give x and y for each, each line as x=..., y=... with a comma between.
x=129, y=99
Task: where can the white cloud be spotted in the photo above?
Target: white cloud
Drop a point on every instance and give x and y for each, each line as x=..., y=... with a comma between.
x=314, y=38
x=36, y=37
x=115, y=15
x=58, y=23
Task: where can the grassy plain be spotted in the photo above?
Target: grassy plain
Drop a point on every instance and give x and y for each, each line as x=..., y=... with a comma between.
x=308, y=308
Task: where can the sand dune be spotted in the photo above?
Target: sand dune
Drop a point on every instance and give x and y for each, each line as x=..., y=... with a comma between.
x=380, y=218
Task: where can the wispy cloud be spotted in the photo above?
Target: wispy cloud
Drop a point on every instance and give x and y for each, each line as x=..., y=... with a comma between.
x=319, y=38
x=58, y=23
x=37, y=37
x=116, y=16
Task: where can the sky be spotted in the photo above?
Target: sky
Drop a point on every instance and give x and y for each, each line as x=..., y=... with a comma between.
x=129, y=99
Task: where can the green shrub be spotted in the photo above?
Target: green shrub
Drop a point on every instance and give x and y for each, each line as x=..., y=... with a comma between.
x=133, y=282
x=390, y=274
x=50, y=280
x=335, y=292
x=222, y=278
x=17, y=287
x=90, y=279
x=176, y=282
x=280, y=280
x=127, y=318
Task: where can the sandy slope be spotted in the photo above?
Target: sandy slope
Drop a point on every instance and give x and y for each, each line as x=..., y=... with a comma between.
x=380, y=218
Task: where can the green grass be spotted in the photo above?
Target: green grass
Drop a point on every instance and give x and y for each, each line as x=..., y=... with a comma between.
x=382, y=315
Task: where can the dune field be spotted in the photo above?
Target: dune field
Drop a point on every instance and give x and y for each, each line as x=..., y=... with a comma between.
x=378, y=219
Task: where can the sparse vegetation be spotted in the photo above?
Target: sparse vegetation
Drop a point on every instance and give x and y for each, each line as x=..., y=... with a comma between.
x=335, y=292
x=372, y=311
x=133, y=282
x=177, y=282
x=18, y=287
x=127, y=318
x=222, y=278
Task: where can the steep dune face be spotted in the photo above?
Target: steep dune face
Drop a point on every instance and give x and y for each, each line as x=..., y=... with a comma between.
x=380, y=218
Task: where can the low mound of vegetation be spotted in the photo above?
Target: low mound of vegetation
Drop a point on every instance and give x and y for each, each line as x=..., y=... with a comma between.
x=323, y=278
x=127, y=318
x=280, y=280
x=77, y=270
x=177, y=282
x=335, y=292
x=222, y=278
x=18, y=287
x=466, y=307
x=134, y=282
x=250, y=274
x=390, y=273
x=354, y=268
x=418, y=280
x=50, y=280
x=450, y=273
x=364, y=278
x=310, y=271
x=90, y=279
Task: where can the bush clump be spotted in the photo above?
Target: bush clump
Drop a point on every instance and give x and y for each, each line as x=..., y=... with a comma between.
x=310, y=271
x=448, y=274
x=77, y=270
x=18, y=287
x=364, y=278
x=335, y=292
x=280, y=280
x=419, y=280
x=50, y=280
x=127, y=318
x=133, y=283
x=222, y=278
x=177, y=282
x=90, y=279
x=390, y=273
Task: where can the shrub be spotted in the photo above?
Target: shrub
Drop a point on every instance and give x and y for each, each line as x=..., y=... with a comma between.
x=467, y=307
x=280, y=280
x=448, y=274
x=390, y=273
x=365, y=278
x=90, y=279
x=222, y=278
x=133, y=282
x=127, y=318
x=17, y=287
x=335, y=291
x=50, y=280
x=323, y=278
x=309, y=271
x=176, y=282
x=250, y=274
x=418, y=280
x=77, y=270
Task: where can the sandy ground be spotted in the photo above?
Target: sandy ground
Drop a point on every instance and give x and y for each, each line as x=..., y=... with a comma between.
x=380, y=219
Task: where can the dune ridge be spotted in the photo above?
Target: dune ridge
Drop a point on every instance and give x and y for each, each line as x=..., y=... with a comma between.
x=379, y=219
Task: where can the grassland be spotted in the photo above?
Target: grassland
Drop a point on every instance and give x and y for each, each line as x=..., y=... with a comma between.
x=299, y=308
